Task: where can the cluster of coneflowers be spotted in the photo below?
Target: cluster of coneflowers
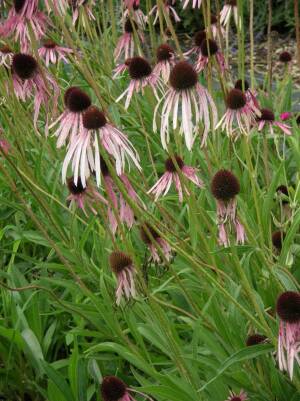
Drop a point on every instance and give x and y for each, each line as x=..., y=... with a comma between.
x=97, y=153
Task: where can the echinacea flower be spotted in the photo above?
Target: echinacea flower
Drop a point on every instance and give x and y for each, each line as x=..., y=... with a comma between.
x=114, y=389
x=121, y=68
x=195, y=3
x=85, y=7
x=224, y=187
x=165, y=61
x=70, y=121
x=251, y=95
x=229, y=8
x=285, y=57
x=141, y=75
x=242, y=396
x=136, y=14
x=84, y=197
x=84, y=148
x=198, y=39
x=190, y=99
x=288, y=310
x=240, y=110
x=6, y=56
x=126, y=45
x=255, y=339
x=122, y=266
x=29, y=80
x=209, y=48
x=23, y=18
x=51, y=52
x=117, y=203
x=168, y=9
x=153, y=241
x=267, y=119
x=277, y=239
x=171, y=175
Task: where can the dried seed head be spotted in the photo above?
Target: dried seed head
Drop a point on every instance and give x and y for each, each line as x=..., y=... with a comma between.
x=255, y=339
x=288, y=307
x=209, y=47
x=267, y=115
x=213, y=19
x=49, y=44
x=283, y=189
x=19, y=4
x=144, y=229
x=130, y=26
x=183, y=76
x=285, y=57
x=199, y=37
x=24, y=66
x=93, y=118
x=224, y=185
x=232, y=3
x=277, y=239
x=139, y=68
x=75, y=189
x=164, y=52
x=170, y=166
x=112, y=388
x=236, y=99
x=239, y=85
x=119, y=261
x=76, y=100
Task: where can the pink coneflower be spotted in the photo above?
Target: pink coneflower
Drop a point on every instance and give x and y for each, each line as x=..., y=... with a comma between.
x=70, y=121
x=84, y=148
x=29, y=80
x=251, y=95
x=84, y=197
x=240, y=110
x=168, y=9
x=141, y=75
x=224, y=187
x=242, y=396
x=161, y=188
x=195, y=3
x=122, y=266
x=286, y=115
x=153, y=241
x=6, y=56
x=86, y=6
x=192, y=100
x=113, y=388
x=267, y=118
x=53, y=53
x=126, y=46
x=165, y=56
x=136, y=14
x=209, y=48
x=22, y=15
x=288, y=310
x=229, y=8
x=198, y=39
